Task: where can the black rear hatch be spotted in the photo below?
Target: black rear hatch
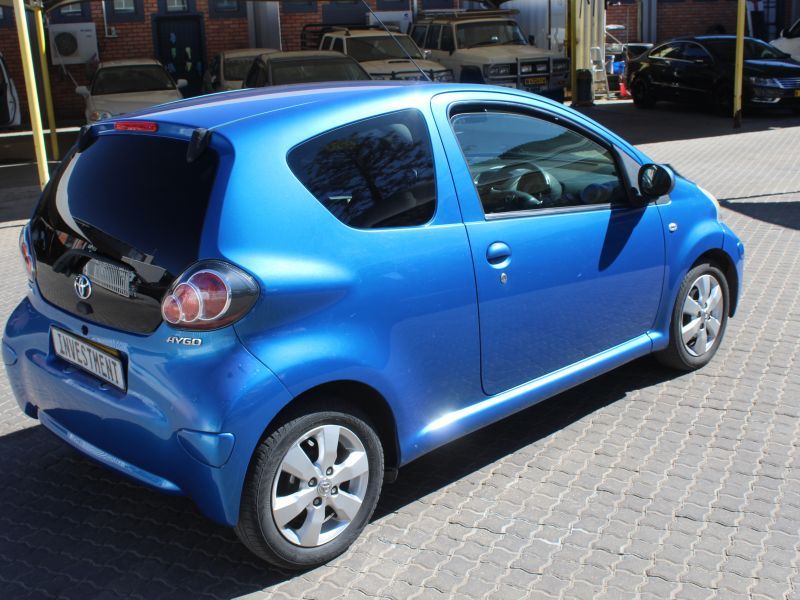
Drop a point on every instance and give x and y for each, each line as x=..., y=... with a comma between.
x=127, y=213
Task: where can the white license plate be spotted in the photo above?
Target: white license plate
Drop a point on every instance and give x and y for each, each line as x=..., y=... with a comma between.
x=88, y=357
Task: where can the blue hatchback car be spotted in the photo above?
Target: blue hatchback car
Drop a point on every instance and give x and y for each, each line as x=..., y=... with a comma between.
x=269, y=301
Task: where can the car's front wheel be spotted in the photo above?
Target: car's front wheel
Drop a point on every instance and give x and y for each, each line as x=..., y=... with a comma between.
x=699, y=319
x=311, y=489
x=642, y=94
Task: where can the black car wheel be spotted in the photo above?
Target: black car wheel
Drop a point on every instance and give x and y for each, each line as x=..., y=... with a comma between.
x=642, y=94
x=723, y=100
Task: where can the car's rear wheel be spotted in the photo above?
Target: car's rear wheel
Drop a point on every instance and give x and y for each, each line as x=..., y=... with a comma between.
x=311, y=489
x=698, y=320
x=642, y=94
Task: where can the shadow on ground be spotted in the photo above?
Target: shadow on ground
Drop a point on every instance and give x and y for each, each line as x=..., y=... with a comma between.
x=785, y=214
x=70, y=528
x=669, y=121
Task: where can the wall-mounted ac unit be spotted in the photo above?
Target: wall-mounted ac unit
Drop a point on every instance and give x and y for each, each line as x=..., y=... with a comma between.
x=73, y=43
x=392, y=18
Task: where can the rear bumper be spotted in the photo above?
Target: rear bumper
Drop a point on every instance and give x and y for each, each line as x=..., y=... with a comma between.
x=187, y=424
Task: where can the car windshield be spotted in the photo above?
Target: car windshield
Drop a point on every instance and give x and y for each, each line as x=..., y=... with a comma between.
x=725, y=49
x=489, y=33
x=381, y=48
x=310, y=71
x=237, y=68
x=135, y=78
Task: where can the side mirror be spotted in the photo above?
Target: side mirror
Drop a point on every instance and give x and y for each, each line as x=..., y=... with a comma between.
x=426, y=54
x=182, y=83
x=532, y=40
x=82, y=90
x=782, y=33
x=655, y=181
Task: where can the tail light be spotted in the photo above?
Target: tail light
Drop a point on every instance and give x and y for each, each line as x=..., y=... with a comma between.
x=27, y=253
x=209, y=295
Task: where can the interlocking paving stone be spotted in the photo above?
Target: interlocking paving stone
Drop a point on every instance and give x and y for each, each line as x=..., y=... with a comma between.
x=644, y=482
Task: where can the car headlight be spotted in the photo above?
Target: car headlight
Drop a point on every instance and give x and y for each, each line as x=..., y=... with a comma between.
x=99, y=115
x=498, y=70
x=560, y=66
x=524, y=69
x=764, y=81
x=711, y=197
x=541, y=67
x=444, y=76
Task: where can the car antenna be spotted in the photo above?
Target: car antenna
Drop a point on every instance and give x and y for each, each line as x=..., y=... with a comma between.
x=396, y=41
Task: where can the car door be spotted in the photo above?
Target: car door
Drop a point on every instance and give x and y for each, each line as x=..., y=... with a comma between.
x=694, y=73
x=565, y=266
x=662, y=65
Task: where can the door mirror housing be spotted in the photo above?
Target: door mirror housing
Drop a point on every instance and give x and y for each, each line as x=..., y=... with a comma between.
x=182, y=83
x=82, y=90
x=426, y=54
x=655, y=181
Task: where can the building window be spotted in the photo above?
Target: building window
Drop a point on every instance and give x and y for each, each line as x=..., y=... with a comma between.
x=226, y=9
x=177, y=5
x=299, y=6
x=70, y=13
x=124, y=11
x=124, y=7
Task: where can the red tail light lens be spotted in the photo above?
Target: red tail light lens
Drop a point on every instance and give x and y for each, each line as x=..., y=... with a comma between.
x=209, y=295
x=27, y=255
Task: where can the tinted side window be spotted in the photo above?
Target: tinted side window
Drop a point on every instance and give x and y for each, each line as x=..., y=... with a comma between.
x=668, y=51
x=447, y=39
x=418, y=35
x=432, y=39
x=519, y=162
x=338, y=45
x=373, y=173
x=695, y=52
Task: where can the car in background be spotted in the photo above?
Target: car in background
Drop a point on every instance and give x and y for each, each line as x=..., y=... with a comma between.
x=122, y=86
x=789, y=41
x=700, y=70
x=487, y=46
x=270, y=300
x=303, y=66
x=228, y=69
x=385, y=55
x=9, y=100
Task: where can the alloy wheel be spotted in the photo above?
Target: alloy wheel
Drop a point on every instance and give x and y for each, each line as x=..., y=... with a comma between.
x=320, y=486
x=702, y=315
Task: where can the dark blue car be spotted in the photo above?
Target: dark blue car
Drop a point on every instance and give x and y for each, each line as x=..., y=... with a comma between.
x=269, y=301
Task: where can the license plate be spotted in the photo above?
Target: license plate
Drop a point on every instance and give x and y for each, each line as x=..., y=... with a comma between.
x=535, y=80
x=88, y=357
x=797, y=93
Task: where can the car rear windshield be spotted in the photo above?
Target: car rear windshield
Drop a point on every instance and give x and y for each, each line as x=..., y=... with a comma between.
x=237, y=68
x=135, y=196
x=311, y=71
x=124, y=80
x=381, y=48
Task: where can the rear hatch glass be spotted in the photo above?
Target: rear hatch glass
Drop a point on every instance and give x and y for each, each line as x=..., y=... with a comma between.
x=127, y=213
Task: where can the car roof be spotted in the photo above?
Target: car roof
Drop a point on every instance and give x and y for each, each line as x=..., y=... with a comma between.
x=304, y=55
x=705, y=38
x=128, y=62
x=244, y=52
x=364, y=33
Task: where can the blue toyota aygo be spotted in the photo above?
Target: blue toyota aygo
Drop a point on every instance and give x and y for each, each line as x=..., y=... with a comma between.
x=269, y=301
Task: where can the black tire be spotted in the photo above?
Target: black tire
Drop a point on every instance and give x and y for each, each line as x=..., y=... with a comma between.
x=642, y=94
x=678, y=355
x=257, y=528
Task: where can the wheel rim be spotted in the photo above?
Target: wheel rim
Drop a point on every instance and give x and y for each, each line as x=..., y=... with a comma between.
x=703, y=313
x=320, y=485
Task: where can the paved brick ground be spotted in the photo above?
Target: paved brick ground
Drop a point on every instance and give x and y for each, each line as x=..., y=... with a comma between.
x=641, y=483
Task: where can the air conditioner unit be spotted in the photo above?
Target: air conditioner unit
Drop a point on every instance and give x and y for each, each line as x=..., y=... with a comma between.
x=391, y=18
x=73, y=43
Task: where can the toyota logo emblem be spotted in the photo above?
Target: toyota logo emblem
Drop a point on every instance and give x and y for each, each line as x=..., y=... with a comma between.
x=83, y=287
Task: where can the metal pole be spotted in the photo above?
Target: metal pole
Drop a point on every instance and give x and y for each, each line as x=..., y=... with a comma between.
x=30, y=88
x=38, y=15
x=573, y=58
x=739, y=68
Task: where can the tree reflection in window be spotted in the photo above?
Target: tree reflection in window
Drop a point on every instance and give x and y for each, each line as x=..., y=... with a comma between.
x=371, y=174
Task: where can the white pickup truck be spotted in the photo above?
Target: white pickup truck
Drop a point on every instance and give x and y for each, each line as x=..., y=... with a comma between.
x=487, y=46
